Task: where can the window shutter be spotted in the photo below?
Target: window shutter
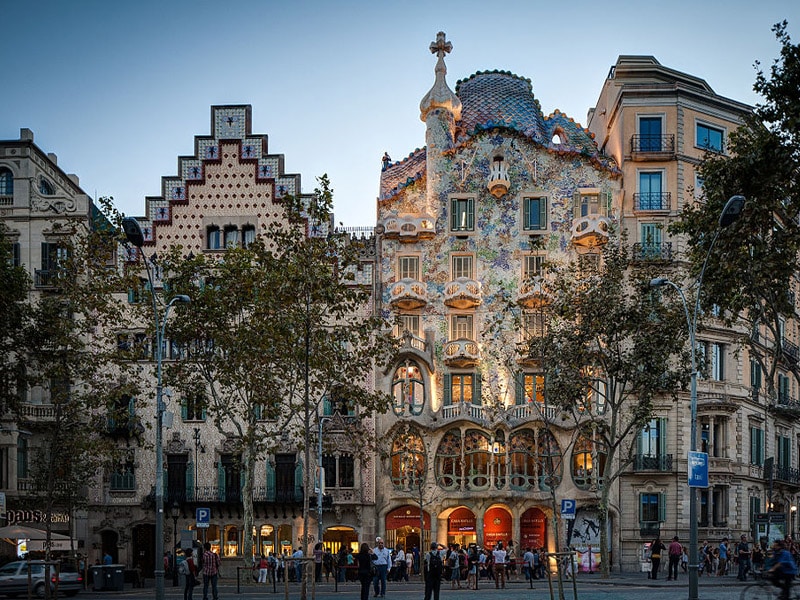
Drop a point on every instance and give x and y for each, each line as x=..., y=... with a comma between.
x=454, y=214
x=131, y=296
x=639, y=442
x=476, y=389
x=471, y=214
x=298, y=481
x=526, y=213
x=519, y=387
x=203, y=414
x=606, y=200
x=184, y=410
x=270, y=482
x=662, y=437
x=448, y=389
x=542, y=213
x=641, y=507
x=576, y=204
x=257, y=411
x=662, y=508
x=132, y=407
x=327, y=408
x=221, y=482
x=190, y=495
x=45, y=256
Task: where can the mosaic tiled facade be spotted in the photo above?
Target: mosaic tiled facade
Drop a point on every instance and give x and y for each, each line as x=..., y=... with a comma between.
x=464, y=223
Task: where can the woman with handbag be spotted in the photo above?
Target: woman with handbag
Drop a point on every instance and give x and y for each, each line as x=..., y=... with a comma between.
x=365, y=575
x=189, y=571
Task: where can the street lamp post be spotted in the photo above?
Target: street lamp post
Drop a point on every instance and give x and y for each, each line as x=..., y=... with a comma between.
x=197, y=446
x=134, y=235
x=176, y=512
x=730, y=213
x=320, y=479
x=793, y=510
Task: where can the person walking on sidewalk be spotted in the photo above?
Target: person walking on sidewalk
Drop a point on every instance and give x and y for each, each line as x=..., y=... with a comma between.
x=364, y=559
x=656, y=548
x=211, y=563
x=433, y=566
x=743, y=552
x=382, y=558
x=675, y=553
x=499, y=555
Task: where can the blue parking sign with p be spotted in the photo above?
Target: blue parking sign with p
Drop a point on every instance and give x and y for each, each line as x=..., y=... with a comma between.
x=568, y=509
x=203, y=517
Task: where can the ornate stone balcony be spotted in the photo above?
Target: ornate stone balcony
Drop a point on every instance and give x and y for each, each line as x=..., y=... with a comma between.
x=498, y=180
x=462, y=293
x=533, y=294
x=590, y=230
x=409, y=228
x=408, y=294
x=463, y=410
x=461, y=353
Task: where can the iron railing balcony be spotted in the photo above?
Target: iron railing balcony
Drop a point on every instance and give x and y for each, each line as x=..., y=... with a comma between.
x=652, y=200
x=662, y=462
x=652, y=251
x=786, y=474
x=648, y=143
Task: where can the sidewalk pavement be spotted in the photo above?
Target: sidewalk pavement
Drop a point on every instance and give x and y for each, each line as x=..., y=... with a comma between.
x=227, y=585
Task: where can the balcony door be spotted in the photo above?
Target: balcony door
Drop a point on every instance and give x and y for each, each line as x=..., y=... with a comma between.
x=650, y=134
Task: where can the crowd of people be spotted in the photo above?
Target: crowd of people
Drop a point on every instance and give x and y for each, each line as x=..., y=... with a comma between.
x=777, y=562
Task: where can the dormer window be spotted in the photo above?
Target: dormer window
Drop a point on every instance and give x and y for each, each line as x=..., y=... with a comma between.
x=46, y=188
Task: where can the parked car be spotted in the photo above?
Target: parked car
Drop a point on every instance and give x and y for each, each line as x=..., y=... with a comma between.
x=14, y=579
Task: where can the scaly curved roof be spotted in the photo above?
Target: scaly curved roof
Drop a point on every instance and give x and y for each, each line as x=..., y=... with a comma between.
x=499, y=98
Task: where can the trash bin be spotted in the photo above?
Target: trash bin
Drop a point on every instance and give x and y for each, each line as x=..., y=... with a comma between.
x=114, y=577
x=98, y=578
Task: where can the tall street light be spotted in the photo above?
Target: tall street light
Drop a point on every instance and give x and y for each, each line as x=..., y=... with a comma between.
x=730, y=213
x=134, y=235
x=320, y=480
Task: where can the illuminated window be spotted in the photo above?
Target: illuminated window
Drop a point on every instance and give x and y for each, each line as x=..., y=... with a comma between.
x=408, y=389
x=408, y=267
x=462, y=266
x=408, y=461
x=448, y=461
x=461, y=327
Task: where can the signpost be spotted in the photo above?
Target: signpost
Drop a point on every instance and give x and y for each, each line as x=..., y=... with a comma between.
x=568, y=509
x=698, y=469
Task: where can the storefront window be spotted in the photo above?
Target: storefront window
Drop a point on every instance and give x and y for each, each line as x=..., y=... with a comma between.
x=232, y=542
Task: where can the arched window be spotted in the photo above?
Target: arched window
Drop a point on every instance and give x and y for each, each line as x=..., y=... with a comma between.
x=523, y=460
x=6, y=182
x=231, y=236
x=408, y=461
x=248, y=236
x=549, y=460
x=408, y=389
x=213, y=237
x=588, y=462
x=477, y=456
x=448, y=461
x=45, y=187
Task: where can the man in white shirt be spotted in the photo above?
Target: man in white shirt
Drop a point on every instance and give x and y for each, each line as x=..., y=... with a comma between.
x=382, y=557
x=499, y=566
x=399, y=563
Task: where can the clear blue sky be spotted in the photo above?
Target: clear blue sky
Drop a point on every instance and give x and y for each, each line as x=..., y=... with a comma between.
x=117, y=89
